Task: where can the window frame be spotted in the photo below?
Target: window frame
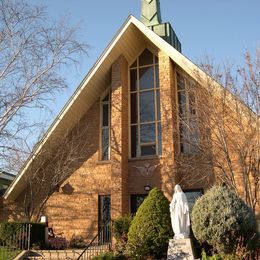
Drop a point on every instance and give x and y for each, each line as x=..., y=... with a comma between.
x=138, y=123
x=187, y=117
x=101, y=127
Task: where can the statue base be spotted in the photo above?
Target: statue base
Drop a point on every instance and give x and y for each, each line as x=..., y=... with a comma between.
x=179, y=249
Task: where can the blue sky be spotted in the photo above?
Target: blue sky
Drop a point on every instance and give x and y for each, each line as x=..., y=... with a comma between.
x=222, y=29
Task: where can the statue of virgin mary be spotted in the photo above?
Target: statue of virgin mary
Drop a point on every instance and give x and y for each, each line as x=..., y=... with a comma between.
x=180, y=218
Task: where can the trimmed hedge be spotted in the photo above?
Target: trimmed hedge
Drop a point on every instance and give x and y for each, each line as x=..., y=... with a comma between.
x=151, y=228
x=37, y=236
x=223, y=220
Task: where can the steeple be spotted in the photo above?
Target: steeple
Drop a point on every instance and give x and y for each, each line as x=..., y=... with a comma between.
x=151, y=17
x=151, y=12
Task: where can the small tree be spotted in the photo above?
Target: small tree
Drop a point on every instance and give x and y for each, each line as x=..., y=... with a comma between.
x=221, y=219
x=223, y=128
x=51, y=167
x=150, y=230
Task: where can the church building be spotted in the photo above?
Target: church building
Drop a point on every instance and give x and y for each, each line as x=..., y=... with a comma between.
x=125, y=120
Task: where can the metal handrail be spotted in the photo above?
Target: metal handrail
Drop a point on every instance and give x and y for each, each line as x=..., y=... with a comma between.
x=19, y=240
x=103, y=238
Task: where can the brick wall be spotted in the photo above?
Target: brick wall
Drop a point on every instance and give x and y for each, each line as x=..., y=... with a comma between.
x=119, y=137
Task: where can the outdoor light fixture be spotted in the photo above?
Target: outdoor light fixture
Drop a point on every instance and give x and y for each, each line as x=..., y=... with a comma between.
x=44, y=219
x=147, y=187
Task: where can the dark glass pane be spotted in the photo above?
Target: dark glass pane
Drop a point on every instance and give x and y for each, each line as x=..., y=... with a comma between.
x=104, y=216
x=133, y=80
x=194, y=135
x=184, y=132
x=146, y=58
x=136, y=201
x=134, y=65
x=159, y=138
x=146, y=79
x=147, y=133
x=133, y=108
x=105, y=114
x=133, y=141
x=192, y=103
x=105, y=144
x=184, y=137
x=106, y=98
x=156, y=59
x=158, y=105
x=182, y=103
x=180, y=82
x=157, y=76
x=185, y=148
x=192, y=196
x=193, y=126
x=104, y=209
x=147, y=109
x=148, y=150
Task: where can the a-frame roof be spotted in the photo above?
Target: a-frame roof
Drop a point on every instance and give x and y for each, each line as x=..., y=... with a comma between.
x=129, y=41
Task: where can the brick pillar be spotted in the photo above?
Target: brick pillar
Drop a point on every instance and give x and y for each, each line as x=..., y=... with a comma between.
x=119, y=137
x=168, y=122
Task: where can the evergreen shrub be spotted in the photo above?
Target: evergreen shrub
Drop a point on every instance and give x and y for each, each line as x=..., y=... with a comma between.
x=151, y=229
x=37, y=235
x=223, y=220
x=120, y=229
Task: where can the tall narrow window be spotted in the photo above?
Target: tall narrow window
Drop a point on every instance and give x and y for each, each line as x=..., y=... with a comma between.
x=188, y=123
x=145, y=106
x=105, y=127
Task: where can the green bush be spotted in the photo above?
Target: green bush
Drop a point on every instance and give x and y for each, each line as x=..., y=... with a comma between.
x=151, y=229
x=77, y=242
x=217, y=257
x=37, y=236
x=221, y=219
x=121, y=226
x=120, y=229
x=109, y=256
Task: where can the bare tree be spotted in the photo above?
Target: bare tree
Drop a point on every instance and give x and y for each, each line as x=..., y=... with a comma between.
x=33, y=51
x=51, y=167
x=228, y=128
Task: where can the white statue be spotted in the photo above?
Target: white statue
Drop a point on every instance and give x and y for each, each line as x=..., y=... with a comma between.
x=180, y=214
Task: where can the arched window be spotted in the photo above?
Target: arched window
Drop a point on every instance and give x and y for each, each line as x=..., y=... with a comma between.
x=145, y=106
x=105, y=116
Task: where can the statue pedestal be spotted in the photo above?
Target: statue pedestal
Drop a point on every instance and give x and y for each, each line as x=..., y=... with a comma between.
x=180, y=249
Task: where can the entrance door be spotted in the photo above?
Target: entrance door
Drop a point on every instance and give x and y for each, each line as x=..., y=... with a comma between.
x=104, y=217
x=136, y=201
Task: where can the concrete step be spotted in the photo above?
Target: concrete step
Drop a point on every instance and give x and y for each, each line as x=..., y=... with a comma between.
x=54, y=254
x=72, y=254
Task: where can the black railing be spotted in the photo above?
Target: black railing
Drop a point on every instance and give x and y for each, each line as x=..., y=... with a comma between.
x=18, y=241
x=101, y=243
